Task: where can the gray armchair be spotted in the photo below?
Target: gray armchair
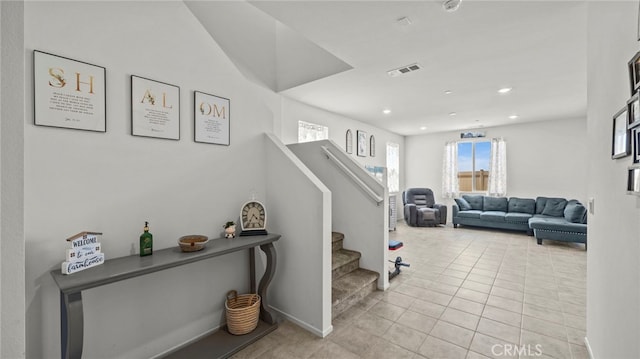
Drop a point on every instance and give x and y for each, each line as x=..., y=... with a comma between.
x=420, y=209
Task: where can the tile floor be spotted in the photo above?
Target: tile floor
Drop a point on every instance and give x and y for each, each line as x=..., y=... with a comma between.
x=469, y=293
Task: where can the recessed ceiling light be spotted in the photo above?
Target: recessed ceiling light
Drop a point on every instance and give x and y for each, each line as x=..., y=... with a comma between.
x=448, y=92
x=505, y=90
x=513, y=117
x=386, y=111
x=423, y=128
x=452, y=113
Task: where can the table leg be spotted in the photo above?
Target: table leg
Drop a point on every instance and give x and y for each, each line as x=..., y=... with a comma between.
x=265, y=312
x=71, y=325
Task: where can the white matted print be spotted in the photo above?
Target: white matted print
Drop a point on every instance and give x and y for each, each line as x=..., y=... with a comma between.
x=362, y=143
x=155, y=109
x=212, y=115
x=68, y=93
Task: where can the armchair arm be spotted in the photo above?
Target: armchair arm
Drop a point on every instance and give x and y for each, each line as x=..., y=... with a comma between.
x=443, y=212
x=455, y=210
x=410, y=214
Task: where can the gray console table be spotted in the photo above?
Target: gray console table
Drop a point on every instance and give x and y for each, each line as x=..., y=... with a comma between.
x=220, y=344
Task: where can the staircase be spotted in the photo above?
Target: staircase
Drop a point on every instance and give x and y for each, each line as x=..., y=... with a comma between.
x=350, y=283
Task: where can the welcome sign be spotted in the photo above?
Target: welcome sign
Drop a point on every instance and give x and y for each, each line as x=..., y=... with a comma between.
x=85, y=252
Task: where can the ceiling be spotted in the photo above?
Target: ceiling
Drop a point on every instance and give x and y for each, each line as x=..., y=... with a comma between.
x=537, y=48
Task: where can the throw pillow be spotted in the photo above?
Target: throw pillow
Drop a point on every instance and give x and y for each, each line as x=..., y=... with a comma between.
x=574, y=212
x=463, y=204
x=554, y=207
x=522, y=205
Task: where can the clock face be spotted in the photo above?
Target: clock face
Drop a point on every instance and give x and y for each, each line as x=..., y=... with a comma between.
x=253, y=216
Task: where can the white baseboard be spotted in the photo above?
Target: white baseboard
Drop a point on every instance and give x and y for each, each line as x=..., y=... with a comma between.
x=586, y=343
x=304, y=324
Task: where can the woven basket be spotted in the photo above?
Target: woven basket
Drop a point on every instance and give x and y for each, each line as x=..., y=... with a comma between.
x=242, y=312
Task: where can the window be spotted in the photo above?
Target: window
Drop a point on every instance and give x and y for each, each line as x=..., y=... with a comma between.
x=308, y=132
x=473, y=166
x=393, y=167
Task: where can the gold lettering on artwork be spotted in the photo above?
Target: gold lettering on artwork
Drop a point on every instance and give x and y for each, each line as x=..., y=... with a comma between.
x=148, y=96
x=78, y=82
x=206, y=109
x=164, y=101
x=58, y=77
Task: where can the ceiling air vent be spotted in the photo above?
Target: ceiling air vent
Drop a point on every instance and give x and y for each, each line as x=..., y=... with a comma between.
x=404, y=70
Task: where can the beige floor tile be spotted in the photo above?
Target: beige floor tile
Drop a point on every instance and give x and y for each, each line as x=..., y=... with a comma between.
x=472, y=295
x=387, y=310
x=417, y=321
x=435, y=348
x=544, y=327
x=331, y=350
x=509, y=285
x=502, y=316
x=480, y=278
x=444, y=288
x=466, y=305
x=405, y=337
x=579, y=351
x=549, y=346
x=436, y=297
x=543, y=313
x=508, y=333
x=474, y=355
x=576, y=336
x=478, y=287
x=399, y=299
x=428, y=308
x=575, y=321
x=492, y=347
x=452, y=333
x=372, y=324
x=460, y=318
x=505, y=303
x=507, y=293
x=455, y=273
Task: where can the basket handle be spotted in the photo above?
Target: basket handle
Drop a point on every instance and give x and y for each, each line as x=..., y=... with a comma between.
x=232, y=295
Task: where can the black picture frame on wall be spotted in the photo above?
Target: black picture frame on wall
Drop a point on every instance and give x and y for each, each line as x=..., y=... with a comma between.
x=635, y=138
x=621, y=139
x=634, y=73
x=349, y=142
x=633, y=109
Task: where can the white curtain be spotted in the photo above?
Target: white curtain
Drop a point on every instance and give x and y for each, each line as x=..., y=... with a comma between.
x=498, y=168
x=450, y=170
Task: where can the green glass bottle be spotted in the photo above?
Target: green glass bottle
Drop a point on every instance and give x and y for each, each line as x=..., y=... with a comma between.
x=146, y=241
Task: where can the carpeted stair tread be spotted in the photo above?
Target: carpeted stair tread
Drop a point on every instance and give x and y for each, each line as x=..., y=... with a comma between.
x=351, y=283
x=342, y=257
x=336, y=236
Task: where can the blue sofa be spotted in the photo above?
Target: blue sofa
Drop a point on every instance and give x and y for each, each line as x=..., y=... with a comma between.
x=555, y=219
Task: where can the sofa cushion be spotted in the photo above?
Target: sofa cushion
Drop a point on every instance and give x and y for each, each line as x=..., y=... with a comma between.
x=494, y=216
x=556, y=224
x=495, y=204
x=474, y=201
x=515, y=217
x=574, y=211
x=554, y=207
x=522, y=205
x=463, y=204
x=472, y=213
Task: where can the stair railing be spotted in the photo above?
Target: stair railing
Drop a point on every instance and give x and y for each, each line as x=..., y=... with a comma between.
x=371, y=193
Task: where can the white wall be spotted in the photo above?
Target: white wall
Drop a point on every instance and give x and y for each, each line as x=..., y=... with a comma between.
x=613, y=261
x=112, y=182
x=300, y=210
x=543, y=159
x=294, y=111
x=12, y=248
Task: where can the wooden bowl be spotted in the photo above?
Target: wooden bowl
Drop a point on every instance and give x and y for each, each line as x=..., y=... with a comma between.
x=192, y=242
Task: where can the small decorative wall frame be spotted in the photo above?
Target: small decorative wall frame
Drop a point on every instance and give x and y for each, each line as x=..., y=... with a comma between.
x=633, y=108
x=211, y=116
x=349, y=142
x=155, y=109
x=634, y=73
x=633, y=180
x=620, y=144
x=68, y=93
x=362, y=143
x=635, y=138
x=372, y=146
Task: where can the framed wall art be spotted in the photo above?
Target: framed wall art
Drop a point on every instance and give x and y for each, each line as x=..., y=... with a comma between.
x=372, y=146
x=635, y=139
x=633, y=108
x=68, y=93
x=155, y=109
x=634, y=73
x=349, y=142
x=633, y=180
x=620, y=146
x=212, y=115
x=362, y=143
